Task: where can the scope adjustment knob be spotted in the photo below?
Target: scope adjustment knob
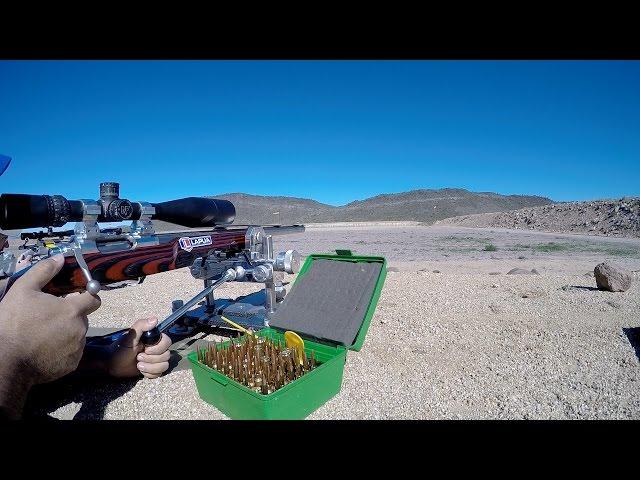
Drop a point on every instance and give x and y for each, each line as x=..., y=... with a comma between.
x=120, y=209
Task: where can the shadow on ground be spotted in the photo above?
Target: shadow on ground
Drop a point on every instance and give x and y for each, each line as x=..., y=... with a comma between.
x=633, y=334
x=581, y=287
x=94, y=394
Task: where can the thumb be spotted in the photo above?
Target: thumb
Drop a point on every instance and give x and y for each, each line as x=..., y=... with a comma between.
x=142, y=325
x=85, y=303
x=36, y=277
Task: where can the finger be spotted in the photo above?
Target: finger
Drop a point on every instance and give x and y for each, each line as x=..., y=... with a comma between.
x=76, y=334
x=142, y=325
x=85, y=322
x=163, y=357
x=151, y=376
x=153, y=368
x=85, y=303
x=76, y=357
x=160, y=347
x=41, y=273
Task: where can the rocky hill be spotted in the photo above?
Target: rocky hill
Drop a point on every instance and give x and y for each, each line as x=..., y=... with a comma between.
x=431, y=205
x=601, y=217
x=257, y=209
x=417, y=205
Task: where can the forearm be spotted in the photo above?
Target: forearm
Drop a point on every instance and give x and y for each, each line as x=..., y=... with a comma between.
x=14, y=387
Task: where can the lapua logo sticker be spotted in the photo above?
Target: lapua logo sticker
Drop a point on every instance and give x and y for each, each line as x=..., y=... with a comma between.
x=189, y=243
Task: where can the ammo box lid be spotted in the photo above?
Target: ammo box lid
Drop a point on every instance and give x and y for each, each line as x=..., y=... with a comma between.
x=333, y=298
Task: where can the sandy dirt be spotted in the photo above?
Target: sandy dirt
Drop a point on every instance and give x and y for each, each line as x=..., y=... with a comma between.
x=466, y=342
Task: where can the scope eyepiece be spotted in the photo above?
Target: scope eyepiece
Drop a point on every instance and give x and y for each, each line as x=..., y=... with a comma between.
x=19, y=211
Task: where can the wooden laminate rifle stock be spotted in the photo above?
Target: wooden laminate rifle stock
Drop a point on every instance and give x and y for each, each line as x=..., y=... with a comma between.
x=169, y=254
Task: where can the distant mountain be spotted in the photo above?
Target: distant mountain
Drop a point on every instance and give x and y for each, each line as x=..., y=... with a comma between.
x=425, y=206
x=431, y=205
x=256, y=209
x=417, y=205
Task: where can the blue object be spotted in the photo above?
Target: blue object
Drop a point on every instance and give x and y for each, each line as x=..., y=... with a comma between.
x=4, y=163
x=499, y=126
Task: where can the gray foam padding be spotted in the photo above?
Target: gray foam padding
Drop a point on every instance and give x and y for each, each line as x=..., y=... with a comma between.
x=330, y=301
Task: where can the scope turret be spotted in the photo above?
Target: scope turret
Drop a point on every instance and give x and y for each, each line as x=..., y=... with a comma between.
x=32, y=211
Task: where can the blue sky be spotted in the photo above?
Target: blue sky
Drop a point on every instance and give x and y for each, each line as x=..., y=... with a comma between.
x=334, y=131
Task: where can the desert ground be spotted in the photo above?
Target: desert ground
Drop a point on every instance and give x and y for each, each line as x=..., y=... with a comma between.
x=453, y=337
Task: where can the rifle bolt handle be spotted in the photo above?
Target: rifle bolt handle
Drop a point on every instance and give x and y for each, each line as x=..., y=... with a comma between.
x=93, y=287
x=152, y=337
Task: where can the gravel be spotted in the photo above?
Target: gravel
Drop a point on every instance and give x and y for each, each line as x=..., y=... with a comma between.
x=454, y=345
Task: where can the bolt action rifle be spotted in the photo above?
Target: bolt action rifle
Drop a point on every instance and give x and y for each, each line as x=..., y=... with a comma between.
x=100, y=258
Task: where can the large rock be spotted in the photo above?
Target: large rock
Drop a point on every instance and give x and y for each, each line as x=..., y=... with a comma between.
x=612, y=278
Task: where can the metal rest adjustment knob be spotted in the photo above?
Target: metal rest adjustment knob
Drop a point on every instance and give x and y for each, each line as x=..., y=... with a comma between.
x=262, y=273
x=288, y=262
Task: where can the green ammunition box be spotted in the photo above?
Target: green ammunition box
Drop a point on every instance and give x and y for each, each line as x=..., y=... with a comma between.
x=324, y=337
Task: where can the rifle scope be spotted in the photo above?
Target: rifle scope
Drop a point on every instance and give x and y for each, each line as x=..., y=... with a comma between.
x=31, y=211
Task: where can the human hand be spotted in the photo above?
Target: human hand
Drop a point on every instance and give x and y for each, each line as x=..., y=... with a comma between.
x=41, y=336
x=130, y=357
